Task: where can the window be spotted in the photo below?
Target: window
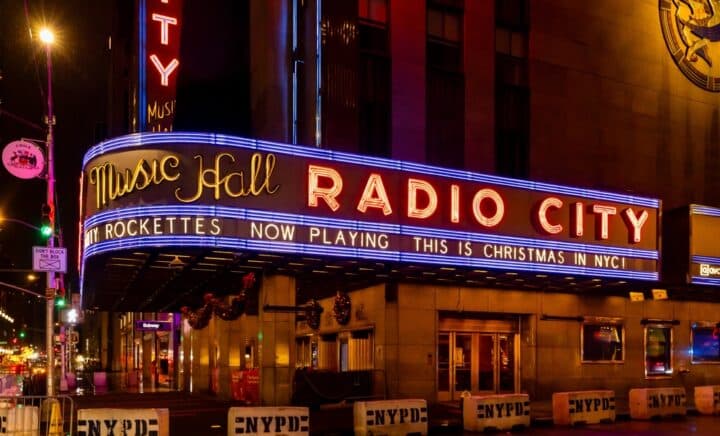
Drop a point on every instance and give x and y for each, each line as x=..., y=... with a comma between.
x=512, y=94
x=602, y=342
x=374, y=108
x=445, y=35
x=373, y=10
x=705, y=338
x=445, y=85
x=658, y=351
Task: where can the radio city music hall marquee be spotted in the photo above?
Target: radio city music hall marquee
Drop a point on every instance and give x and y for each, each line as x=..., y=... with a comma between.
x=217, y=191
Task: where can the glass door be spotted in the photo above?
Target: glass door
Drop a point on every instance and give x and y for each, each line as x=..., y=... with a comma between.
x=479, y=363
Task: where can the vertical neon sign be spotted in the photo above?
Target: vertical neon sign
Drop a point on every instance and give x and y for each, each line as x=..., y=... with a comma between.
x=158, y=53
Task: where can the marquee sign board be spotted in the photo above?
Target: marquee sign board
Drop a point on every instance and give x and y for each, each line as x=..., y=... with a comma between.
x=219, y=191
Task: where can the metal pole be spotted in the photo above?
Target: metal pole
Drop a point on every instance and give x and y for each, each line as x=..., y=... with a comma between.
x=51, y=285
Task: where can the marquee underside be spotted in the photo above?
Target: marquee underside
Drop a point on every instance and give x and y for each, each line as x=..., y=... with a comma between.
x=167, y=278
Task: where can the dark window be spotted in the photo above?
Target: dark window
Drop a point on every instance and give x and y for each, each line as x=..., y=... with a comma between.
x=602, y=342
x=374, y=106
x=445, y=84
x=512, y=94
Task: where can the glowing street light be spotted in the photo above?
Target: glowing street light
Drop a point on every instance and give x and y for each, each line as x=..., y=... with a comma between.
x=47, y=36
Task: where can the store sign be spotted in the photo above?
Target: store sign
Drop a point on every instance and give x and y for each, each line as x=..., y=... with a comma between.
x=157, y=326
x=23, y=159
x=219, y=191
x=159, y=54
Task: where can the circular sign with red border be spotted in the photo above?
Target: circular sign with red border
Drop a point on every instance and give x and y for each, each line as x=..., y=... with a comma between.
x=23, y=159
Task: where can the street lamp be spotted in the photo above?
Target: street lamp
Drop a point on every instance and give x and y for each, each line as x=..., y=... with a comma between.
x=47, y=37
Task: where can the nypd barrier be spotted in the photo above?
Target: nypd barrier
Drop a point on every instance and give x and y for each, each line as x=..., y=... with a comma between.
x=390, y=417
x=269, y=420
x=648, y=403
x=496, y=412
x=583, y=407
x=707, y=399
x=136, y=422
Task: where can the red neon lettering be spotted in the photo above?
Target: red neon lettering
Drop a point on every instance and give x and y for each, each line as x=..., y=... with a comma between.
x=636, y=223
x=550, y=202
x=415, y=185
x=604, y=212
x=164, y=71
x=454, y=203
x=374, y=195
x=165, y=22
x=328, y=194
x=499, y=207
x=579, y=216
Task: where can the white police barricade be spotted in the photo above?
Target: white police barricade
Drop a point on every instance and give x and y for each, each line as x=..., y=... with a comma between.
x=391, y=417
x=648, y=403
x=135, y=422
x=707, y=399
x=583, y=407
x=496, y=412
x=20, y=421
x=269, y=421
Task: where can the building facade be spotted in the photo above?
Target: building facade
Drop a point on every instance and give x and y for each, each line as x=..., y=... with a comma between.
x=496, y=274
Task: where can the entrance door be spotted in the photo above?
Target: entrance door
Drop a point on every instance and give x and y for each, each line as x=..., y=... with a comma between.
x=476, y=363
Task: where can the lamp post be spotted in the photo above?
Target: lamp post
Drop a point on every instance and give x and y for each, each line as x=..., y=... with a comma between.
x=47, y=37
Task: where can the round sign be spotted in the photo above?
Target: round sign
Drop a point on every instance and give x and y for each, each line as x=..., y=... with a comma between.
x=23, y=159
x=691, y=30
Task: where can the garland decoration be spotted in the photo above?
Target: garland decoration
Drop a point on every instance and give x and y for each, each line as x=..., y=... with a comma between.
x=342, y=307
x=200, y=318
x=313, y=310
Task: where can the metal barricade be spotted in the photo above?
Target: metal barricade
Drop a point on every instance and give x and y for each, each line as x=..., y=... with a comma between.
x=37, y=415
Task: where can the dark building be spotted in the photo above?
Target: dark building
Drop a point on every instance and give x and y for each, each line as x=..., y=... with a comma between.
x=489, y=109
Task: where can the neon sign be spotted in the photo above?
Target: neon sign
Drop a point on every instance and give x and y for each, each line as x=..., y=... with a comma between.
x=220, y=191
x=704, y=265
x=158, y=51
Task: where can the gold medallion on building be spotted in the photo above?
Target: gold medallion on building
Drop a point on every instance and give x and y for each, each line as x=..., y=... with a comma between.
x=691, y=29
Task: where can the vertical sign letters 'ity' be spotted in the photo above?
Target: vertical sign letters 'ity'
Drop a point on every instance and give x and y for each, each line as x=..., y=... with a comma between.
x=159, y=49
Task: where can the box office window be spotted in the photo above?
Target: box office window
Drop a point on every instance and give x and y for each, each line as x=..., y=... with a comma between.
x=705, y=344
x=602, y=343
x=658, y=351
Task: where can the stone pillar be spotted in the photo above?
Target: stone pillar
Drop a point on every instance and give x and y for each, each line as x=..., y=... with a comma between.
x=276, y=341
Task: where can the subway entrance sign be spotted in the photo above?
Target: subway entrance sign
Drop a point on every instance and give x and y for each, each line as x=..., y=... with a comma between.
x=49, y=259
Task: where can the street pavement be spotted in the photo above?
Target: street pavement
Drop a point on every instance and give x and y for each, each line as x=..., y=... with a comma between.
x=204, y=414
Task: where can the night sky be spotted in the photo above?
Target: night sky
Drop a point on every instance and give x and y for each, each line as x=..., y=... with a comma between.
x=80, y=76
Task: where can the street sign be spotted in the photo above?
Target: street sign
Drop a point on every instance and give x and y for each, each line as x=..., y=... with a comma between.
x=49, y=259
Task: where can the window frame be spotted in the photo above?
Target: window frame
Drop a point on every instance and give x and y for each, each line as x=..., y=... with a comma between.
x=667, y=374
x=601, y=321
x=704, y=325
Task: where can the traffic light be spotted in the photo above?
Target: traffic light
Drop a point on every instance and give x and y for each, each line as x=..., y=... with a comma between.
x=46, y=229
x=60, y=301
x=21, y=335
